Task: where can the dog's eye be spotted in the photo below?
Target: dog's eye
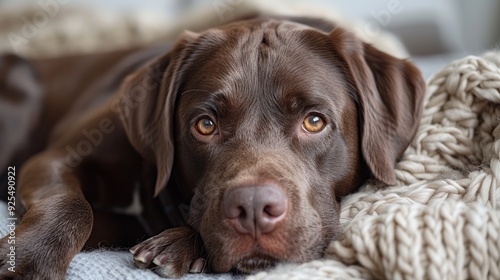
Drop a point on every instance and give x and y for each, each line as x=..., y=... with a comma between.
x=314, y=123
x=205, y=126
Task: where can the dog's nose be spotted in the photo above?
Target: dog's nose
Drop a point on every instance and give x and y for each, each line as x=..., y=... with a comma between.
x=255, y=209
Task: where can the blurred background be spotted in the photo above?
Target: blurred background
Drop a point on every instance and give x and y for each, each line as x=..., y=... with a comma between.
x=432, y=32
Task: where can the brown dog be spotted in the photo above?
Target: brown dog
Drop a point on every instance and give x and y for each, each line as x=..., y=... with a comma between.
x=261, y=126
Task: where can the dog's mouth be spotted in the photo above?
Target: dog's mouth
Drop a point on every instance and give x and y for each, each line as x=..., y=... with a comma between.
x=255, y=262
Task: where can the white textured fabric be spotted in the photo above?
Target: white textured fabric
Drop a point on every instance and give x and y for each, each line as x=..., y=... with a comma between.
x=442, y=219
x=108, y=265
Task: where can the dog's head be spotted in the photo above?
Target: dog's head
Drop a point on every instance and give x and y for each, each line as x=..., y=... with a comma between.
x=268, y=124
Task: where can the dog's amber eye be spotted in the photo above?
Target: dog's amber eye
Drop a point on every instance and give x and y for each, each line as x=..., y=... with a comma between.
x=205, y=126
x=313, y=123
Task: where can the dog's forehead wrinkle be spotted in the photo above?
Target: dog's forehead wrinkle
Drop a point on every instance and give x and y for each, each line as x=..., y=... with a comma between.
x=264, y=40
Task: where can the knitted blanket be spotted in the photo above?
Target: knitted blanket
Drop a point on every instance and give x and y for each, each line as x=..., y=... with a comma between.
x=442, y=219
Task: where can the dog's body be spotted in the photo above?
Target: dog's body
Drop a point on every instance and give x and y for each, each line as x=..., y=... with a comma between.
x=261, y=126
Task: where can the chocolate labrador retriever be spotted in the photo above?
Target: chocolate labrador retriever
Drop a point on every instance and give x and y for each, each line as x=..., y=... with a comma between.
x=258, y=128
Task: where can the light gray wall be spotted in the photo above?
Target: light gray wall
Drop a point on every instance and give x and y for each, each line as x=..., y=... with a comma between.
x=429, y=26
x=480, y=23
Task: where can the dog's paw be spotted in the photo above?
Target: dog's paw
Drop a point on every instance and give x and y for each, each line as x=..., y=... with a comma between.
x=171, y=253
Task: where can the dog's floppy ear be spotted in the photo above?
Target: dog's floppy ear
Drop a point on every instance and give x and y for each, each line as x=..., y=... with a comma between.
x=147, y=101
x=390, y=92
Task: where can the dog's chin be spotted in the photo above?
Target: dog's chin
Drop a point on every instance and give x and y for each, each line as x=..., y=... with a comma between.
x=255, y=263
x=247, y=263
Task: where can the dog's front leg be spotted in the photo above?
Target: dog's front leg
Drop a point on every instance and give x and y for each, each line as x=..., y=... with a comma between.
x=57, y=222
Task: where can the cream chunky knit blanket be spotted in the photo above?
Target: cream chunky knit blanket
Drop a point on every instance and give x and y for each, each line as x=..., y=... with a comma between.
x=442, y=219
